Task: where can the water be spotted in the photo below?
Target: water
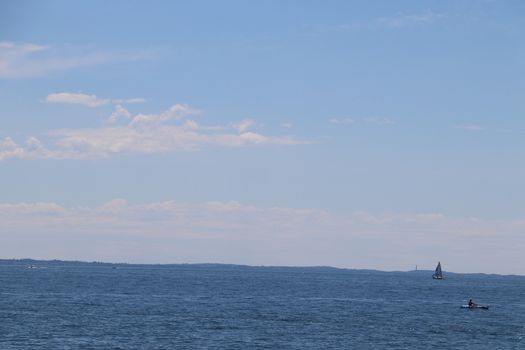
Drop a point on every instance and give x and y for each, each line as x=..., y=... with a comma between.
x=94, y=306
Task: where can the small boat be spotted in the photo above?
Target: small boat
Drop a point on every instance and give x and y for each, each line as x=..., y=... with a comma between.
x=438, y=274
x=32, y=267
x=475, y=306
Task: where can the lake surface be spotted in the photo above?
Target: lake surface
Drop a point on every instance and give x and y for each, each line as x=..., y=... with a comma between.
x=95, y=306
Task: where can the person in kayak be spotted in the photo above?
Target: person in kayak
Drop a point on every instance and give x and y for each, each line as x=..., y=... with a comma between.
x=471, y=303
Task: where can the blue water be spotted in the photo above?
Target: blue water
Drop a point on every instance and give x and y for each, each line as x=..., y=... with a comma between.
x=94, y=306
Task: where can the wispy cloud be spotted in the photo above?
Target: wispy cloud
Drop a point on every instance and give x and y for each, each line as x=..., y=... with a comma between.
x=470, y=127
x=168, y=131
x=88, y=100
x=133, y=100
x=403, y=20
x=368, y=120
x=243, y=125
x=76, y=98
x=32, y=149
x=399, y=20
x=27, y=60
x=118, y=114
x=341, y=121
x=175, y=112
x=305, y=236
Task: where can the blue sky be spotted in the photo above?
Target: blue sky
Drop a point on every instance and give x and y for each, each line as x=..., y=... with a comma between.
x=349, y=133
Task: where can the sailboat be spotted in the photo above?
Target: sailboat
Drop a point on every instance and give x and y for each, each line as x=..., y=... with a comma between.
x=438, y=274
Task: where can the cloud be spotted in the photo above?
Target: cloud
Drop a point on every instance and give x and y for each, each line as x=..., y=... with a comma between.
x=376, y=121
x=470, y=127
x=399, y=20
x=76, y=98
x=88, y=100
x=119, y=113
x=11, y=54
x=243, y=125
x=135, y=100
x=33, y=149
x=168, y=131
x=34, y=209
x=27, y=60
x=341, y=121
x=175, y=112
x=402, y=20
x=230, y=231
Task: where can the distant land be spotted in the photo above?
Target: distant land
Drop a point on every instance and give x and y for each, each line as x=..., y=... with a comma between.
x=49, y=263
x=212, y=266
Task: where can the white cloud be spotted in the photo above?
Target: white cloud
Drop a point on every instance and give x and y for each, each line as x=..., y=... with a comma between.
x=135, y=100
x=8, y=144
x=470, y=127
x=286, y=125
x=76, y=98
x=26, y=60
x=119, y=113
x=88, y=100
x=36, y=209
x=175, y=112
x=191, y=124
x=168, y=131
x=376, y=121
x=114, y=206
x=235, y=232
x=33, y=149
x=243, y=125
x=11, y=54
x=341, y=121
x=400, y=20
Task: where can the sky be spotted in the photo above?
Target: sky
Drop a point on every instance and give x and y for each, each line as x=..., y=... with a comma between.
x=356, y=134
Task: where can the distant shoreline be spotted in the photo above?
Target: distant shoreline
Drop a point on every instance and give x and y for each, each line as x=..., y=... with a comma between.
x=57, y=262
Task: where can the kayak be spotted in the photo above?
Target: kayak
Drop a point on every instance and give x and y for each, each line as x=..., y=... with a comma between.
x=475, y=307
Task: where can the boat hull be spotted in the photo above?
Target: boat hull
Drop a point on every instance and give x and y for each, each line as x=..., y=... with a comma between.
x=476, y=307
